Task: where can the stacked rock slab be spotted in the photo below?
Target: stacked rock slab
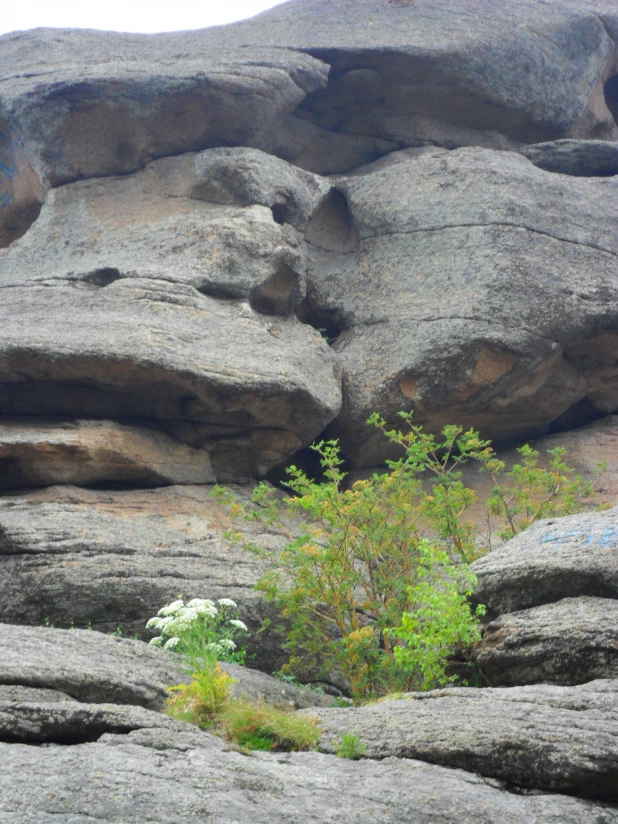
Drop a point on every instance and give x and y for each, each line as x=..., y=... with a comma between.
x=552, y=593
x=216, y=246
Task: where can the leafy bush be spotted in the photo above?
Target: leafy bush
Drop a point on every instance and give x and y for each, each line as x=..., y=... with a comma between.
x=375, y=581
x=260, y=726
x=201, y=631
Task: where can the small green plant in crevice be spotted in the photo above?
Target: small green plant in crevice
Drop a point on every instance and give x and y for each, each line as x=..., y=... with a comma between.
x=202, y=631
x=349, y=746
x=261, y=726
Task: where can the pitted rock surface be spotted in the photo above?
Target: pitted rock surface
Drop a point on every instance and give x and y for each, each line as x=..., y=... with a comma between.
x=561, y=739
x=155, y=775
x=569, y=642
x=553, y=559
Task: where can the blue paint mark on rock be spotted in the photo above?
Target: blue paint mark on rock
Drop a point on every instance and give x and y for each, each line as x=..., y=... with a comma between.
x=8, y=169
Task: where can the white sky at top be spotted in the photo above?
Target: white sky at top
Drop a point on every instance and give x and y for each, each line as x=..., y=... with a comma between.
x=127, y=15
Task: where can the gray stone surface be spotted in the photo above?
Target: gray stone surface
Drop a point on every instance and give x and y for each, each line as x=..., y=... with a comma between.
x=160, y=776
x=114, y=558
x=559, y=739
x=256, y=388
x=471, y=287
x=583, y=158
x=91, y=453
x=21, y=694
x=553, y=559
x=85, y=665
x=569, y=642
x=258, y=686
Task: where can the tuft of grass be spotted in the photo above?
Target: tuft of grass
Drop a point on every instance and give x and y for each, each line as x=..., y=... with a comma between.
x=260, y=726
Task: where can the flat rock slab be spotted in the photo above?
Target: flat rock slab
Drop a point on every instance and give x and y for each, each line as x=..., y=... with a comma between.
x=72, y=722
x=560, y=739
x=553, y=559
x=162, y=776
x=583, y=158
x=470, y=287
x=569, y=642
x=91, y=453
x=106, y=559
x=87, y=666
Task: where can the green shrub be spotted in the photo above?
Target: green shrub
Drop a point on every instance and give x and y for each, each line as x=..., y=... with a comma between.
x=375, y=582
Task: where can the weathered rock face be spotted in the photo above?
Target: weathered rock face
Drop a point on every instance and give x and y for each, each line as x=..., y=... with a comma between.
x=551, y=560
x=163, y=309
x=569, y=642
x=109, y=559
x=109, y=103
x=552, y=738
x=471, y=287
x=149, y=775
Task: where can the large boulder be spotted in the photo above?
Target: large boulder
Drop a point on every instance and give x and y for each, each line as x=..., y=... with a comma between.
x=569, y=642
x=161, y=776
x=449, y=72
x=108, y=103
x=561, y=739
x=471, y=287
x=553, y=559
x=104, y=559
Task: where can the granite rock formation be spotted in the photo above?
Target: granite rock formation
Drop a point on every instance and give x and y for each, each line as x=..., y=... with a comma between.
x=218, y=246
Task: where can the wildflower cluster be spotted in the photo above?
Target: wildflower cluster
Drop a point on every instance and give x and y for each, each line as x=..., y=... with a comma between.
x=201, y=630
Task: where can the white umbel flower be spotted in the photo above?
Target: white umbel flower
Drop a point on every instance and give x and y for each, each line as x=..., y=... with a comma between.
x=155, y=642
x=201, y=603
x=173, y=608
x=238, y=624
x=171, y=643
x=227, y=644
x=153, y=623
x=226, y=602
